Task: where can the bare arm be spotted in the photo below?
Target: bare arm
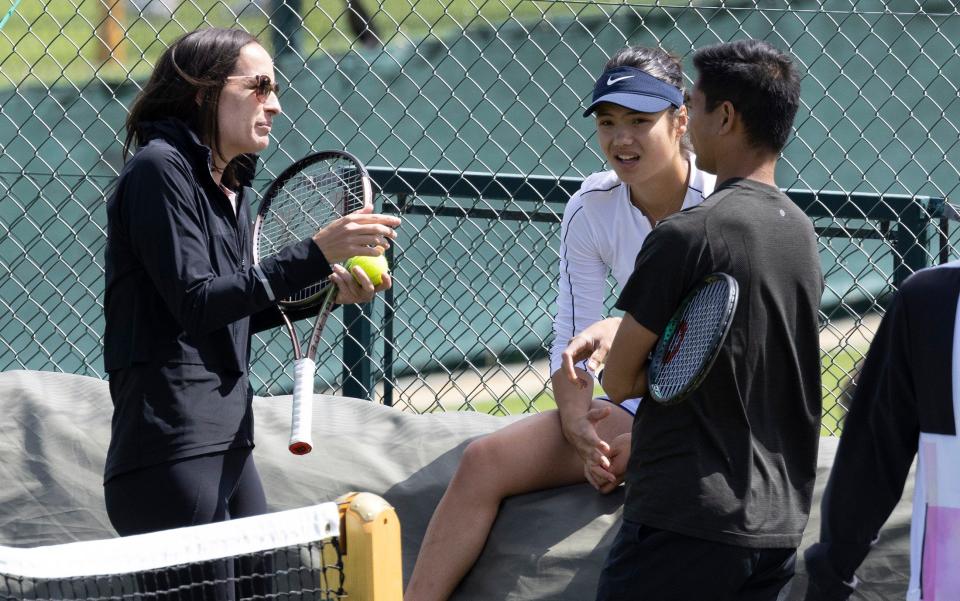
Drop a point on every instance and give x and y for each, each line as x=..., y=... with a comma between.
x=580, y=294
x=625, y=375
x=578, y=420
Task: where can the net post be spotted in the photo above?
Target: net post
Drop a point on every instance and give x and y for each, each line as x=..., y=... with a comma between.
x=370, y=546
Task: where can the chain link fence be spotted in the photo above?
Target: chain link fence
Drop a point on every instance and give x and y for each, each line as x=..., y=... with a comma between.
x=468, y=113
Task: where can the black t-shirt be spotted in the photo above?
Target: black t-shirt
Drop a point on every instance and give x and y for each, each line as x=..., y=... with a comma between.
x=735, y=462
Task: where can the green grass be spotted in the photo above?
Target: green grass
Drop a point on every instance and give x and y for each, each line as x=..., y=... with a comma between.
x=838, y=366
x=515, y=404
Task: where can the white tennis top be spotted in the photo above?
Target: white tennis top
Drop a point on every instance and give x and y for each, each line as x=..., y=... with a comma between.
x=602, y=232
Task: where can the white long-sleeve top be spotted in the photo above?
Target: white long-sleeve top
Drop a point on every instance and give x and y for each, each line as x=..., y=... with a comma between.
x=601, y=233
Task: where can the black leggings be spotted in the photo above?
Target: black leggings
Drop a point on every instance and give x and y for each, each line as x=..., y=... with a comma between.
x=189, y=492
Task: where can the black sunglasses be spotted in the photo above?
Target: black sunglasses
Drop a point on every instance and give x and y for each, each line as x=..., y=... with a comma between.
x=262, y=85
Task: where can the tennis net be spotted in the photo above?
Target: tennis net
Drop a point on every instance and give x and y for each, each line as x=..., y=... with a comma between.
x=301, y=554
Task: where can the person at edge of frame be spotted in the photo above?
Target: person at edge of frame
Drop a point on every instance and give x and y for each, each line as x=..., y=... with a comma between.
x=641, y=121
x=183, y=295
x=906, y=404
x=719, y=487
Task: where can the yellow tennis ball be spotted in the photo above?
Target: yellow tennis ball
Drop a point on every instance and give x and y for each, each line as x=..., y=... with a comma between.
x=374, y=267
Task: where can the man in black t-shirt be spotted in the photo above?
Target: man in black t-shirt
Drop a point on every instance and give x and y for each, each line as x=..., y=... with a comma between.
x=719, y=487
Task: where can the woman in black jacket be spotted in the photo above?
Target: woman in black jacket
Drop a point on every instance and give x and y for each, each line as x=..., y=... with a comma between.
x=182, y=293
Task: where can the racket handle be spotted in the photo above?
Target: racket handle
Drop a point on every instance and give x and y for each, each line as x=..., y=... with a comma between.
x=301, y=424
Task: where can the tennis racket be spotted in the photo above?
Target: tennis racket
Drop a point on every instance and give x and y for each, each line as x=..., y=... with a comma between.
x=692, y=339
x=307, y=196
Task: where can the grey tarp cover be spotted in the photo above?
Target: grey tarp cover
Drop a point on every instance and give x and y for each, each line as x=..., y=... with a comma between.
x=545, y=545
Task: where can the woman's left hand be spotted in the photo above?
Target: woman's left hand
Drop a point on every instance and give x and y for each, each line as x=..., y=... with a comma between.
x=607, y=479
x=356, y=287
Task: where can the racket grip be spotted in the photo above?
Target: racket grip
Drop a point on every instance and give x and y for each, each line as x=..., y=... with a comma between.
x=301, y=423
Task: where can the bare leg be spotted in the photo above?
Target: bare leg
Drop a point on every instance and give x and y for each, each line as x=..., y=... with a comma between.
x=525, y=456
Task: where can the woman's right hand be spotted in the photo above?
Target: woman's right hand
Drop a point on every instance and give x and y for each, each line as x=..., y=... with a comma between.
x=590, y=345
x=361, y=233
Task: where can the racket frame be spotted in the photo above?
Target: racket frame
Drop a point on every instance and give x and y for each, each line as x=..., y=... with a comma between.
x=304, y=364
x=667, y=345
x=271, y=193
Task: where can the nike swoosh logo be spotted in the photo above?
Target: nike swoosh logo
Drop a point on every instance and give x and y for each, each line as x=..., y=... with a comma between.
x=611, y=80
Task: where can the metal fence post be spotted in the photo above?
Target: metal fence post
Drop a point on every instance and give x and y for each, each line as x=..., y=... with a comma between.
x=388, y=313
x=287, y=23
x=911, y=244
x=357, y=342
x=942, y=212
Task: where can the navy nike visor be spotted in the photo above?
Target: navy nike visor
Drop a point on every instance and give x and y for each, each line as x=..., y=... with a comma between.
x=634, y=89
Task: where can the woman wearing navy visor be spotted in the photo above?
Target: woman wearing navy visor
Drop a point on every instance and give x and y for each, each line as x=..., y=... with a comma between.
x=638, y=104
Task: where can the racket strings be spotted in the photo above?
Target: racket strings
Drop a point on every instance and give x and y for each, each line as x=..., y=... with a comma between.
x=694, y=338
x=307, y=202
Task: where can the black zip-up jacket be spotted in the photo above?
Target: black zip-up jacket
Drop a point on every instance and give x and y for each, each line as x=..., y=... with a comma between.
x=181, y=288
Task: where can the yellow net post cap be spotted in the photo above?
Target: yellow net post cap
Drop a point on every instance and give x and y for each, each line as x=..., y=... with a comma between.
x=370, y=544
